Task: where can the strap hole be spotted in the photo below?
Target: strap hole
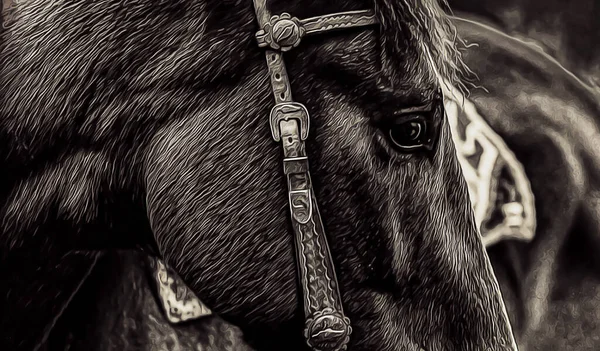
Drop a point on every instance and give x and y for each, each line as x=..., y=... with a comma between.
x=277, y=76
x=273, y=57
x=282, y=95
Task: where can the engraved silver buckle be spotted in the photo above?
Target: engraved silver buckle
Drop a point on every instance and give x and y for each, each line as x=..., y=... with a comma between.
x=284, y=112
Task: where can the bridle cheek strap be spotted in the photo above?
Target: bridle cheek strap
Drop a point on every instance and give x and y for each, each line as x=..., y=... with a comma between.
x=326, y=326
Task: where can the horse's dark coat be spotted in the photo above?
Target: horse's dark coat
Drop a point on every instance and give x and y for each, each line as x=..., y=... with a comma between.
x=118, y=117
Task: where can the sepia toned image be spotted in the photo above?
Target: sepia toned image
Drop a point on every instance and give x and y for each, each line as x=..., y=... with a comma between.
x=341, y=175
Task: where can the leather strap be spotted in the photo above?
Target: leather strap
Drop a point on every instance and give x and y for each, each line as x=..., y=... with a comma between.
x=273, y=30
x=326, y=326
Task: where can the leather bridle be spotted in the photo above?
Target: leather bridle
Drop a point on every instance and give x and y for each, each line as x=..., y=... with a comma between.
x=326, y=326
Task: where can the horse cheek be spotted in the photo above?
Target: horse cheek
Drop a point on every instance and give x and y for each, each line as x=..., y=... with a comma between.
x=224, y=231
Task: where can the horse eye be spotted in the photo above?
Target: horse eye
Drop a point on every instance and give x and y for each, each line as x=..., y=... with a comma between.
x=409, y=134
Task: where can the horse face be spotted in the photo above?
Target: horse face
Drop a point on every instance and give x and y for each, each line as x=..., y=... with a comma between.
x=413, y=272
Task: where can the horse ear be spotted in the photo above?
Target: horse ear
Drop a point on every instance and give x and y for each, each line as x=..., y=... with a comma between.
x=179, y=303
x=498, y=186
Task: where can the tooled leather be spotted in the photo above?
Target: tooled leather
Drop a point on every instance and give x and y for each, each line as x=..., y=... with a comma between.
x=321, y=288
x=314, y=258
x=280, y=82
x=344, y=20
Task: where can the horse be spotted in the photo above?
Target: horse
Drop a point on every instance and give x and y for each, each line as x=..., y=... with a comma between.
x=143, y=125
x=547, y=276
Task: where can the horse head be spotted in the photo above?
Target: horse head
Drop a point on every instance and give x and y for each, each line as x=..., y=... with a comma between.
x=154, y=117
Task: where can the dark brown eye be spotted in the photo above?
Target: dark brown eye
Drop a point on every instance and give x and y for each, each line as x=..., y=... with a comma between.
x=409, y=134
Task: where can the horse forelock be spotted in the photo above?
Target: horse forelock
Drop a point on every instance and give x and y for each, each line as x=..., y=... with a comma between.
x=425, y=27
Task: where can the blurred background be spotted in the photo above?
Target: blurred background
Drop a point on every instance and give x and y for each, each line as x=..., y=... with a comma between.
x=568, y=30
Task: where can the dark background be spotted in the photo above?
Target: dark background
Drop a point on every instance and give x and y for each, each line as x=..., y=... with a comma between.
x=568, y=30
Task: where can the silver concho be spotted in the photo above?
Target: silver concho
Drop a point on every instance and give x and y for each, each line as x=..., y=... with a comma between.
x=283, y=32
x=328, y=330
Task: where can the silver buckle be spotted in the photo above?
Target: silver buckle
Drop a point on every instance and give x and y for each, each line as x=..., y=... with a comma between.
x=284, y=112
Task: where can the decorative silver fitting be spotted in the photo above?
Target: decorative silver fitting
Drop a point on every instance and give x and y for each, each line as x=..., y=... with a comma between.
x=301, y=205
x=282, y=32
x=328, y=330
x=284, y=112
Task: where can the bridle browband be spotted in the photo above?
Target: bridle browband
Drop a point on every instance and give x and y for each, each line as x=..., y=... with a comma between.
x=326, y=326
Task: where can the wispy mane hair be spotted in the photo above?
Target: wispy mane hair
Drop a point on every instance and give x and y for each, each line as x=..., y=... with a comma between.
x=425, y=26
